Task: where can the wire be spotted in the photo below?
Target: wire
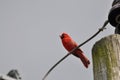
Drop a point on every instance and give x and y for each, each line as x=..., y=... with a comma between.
x=101, y=29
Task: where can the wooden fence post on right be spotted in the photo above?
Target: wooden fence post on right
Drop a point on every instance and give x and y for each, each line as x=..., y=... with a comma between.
x=106, y=58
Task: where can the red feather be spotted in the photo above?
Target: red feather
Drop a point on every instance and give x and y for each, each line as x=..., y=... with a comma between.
x=70, y=44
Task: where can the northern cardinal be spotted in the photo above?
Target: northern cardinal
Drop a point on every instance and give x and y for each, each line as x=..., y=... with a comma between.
x=69, y=44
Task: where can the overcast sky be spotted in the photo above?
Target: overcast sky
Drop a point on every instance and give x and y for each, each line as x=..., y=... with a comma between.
x=29, y=36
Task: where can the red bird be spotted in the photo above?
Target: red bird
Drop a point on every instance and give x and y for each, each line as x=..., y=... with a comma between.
x=69, y=44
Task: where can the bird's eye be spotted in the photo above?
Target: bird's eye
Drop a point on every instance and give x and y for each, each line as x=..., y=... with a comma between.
x=62, y=36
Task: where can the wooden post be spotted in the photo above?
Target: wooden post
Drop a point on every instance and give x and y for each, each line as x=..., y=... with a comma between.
x=106, y=58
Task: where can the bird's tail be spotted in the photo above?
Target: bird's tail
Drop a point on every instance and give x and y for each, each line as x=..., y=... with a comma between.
x=83, y=58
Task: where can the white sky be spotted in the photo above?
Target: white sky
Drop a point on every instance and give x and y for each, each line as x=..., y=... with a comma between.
x=29, y=36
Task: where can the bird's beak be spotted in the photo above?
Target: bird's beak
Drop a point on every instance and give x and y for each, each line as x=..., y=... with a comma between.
x=61, y=36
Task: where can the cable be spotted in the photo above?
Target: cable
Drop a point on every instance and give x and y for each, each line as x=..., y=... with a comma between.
x=101, y=29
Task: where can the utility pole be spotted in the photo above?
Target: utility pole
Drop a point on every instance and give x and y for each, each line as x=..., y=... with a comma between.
x=106, y=58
